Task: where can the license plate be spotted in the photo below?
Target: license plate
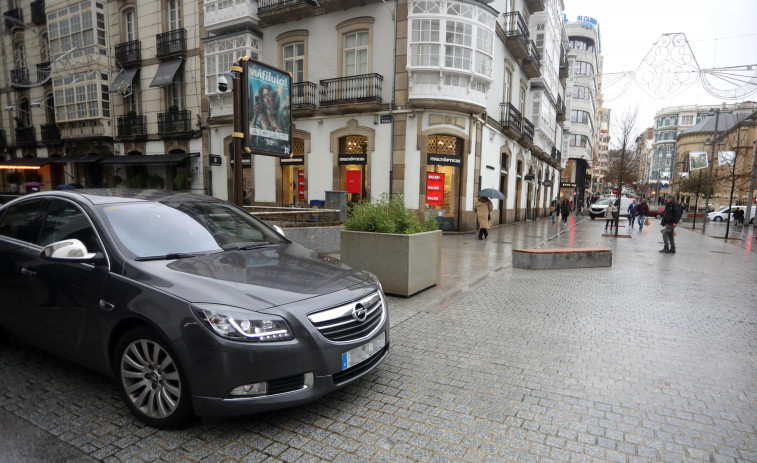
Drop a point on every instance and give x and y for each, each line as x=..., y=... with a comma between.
x=364, y=352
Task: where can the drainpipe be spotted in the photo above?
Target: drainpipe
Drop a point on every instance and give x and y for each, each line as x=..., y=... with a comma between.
x=391, y=103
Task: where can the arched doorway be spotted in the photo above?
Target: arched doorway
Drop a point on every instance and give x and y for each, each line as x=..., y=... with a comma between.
x=444, y=162
x=353, y=158
x=518, y=190
x=293, y=191
x=504, y=166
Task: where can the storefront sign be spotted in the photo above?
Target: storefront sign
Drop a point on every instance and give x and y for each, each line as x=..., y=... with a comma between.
x=529, y=177
x=215, y=160
x=434, y=189
x=301, y=184
x=568, y=185
x=547, y=183
x=293, y=161
x=353, y=159
x=444, y=160
x=386, y=118
x=353, y=180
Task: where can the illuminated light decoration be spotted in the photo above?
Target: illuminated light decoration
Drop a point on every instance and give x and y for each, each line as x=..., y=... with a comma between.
x=19, y=167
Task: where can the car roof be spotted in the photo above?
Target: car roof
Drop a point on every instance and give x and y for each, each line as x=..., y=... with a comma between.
x=97, y=196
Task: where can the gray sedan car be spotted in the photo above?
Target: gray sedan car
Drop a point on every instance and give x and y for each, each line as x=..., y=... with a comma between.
x=194, y=306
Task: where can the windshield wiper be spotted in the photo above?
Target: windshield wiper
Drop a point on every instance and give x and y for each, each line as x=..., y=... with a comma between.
x=248, y=246
x=169, y=256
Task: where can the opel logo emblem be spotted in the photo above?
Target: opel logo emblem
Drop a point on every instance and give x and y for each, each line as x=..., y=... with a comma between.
x=359, y=313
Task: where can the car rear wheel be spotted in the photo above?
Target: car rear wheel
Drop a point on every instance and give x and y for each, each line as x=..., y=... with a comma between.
x=658, y=216
x=151, y=380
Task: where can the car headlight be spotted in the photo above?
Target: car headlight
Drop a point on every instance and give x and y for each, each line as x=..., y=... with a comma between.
x=243, y=325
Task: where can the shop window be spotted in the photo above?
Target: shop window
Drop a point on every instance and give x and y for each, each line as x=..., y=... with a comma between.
x=293, y=176
x=353, y=157
x=442, y=179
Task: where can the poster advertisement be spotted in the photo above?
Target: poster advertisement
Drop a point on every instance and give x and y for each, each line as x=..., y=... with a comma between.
x=434, y=189
x=697, y=160
x=301, y=184
x=269, y=115
x=726, y=157
x=354, y=179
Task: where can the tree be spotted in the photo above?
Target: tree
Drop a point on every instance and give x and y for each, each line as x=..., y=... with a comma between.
x=695, y=183
x=628, y=165
x=735, y=168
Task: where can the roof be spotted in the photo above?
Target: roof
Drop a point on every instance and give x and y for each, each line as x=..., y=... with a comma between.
x=126, y=195
x=726, y=122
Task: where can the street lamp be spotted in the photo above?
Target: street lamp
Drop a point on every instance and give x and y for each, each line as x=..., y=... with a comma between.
x=714, y=142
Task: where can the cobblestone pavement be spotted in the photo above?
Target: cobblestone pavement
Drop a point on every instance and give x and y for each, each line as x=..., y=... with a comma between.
x=653, y=359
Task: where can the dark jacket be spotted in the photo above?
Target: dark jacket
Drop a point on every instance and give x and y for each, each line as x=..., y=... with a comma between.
x=642, y=209
x=565, y=209
x=672, y=213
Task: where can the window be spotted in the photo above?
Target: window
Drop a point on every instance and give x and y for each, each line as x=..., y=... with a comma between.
x=130, y=25
x=508, y=84
x=222, y=52
x=580, y=43
x=583, y=68
x=581, y=117
x=133, y=101
x=581, y=92
x=687, y=120
x=19, y=54
x=457, y=52
x=176, y=90
x=356, y=53
x=294, y=60
x=579, y=141
x=19, y=220
x=424, y=42
x=65, y=221
x=522, y=101
x=174, y=15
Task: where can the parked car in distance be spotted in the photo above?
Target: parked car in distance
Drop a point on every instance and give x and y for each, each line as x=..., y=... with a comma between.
x=656, y=211
x=599, y=207
x=193, y=305
x=722, y=214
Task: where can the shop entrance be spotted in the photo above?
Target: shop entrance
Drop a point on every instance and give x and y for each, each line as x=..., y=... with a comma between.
x=293, y=176
x=504, y=165
x=353, y=159
x=444, y=163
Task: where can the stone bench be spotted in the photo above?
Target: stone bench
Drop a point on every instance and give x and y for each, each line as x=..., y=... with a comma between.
x=559, y=258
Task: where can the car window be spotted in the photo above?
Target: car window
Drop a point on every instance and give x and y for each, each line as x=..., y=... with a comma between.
x=65, y=221
x=19, y=220
x=155, y=229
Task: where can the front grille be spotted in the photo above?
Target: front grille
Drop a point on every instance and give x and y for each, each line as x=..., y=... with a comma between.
x=340, y=325
x=353, y=372
x=288, y=384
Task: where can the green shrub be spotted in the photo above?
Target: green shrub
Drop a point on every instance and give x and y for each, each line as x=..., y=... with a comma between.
x=388, y=215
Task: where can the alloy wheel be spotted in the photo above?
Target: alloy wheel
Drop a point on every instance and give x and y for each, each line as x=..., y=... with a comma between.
x=150, y=378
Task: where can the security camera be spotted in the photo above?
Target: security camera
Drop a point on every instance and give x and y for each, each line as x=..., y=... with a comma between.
x=223, y=84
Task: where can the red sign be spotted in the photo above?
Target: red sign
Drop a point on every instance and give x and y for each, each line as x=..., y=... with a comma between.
x=434, y=189
x=354, y=178
x=301, y=184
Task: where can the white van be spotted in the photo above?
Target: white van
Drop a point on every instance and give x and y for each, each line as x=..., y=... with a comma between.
x=600, y=206
x=722, y=214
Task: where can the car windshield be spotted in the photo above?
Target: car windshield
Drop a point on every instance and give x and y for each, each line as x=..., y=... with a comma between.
x=602, y=202
x=152, y=229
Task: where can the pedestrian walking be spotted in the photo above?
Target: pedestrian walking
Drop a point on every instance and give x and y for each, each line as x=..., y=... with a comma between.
x=738, y=216
x=632, y=213
x=642, y=211
x=610, y=215
x=580, y=207
x=553, y=210
x=565, y=211
x=670, y=217
x=483, y=208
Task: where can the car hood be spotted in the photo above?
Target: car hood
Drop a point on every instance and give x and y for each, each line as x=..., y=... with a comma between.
x=255, y=279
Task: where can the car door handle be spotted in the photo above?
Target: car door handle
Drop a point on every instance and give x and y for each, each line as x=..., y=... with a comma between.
x=28, y=273
x=105, y=305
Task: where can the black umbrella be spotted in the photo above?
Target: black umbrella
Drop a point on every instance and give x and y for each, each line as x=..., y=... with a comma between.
x=491, y=193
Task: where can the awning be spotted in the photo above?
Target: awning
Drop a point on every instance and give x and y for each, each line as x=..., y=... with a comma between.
x=78, y=159
x=24, y=163
x=173, y=158
x=123, y=80
x=166, y=71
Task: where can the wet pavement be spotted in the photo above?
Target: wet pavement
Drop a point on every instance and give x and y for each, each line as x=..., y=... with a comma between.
x=652, y=359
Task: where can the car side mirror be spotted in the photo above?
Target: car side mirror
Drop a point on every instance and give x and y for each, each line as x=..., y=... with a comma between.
x=71, y=250
x=279, y=230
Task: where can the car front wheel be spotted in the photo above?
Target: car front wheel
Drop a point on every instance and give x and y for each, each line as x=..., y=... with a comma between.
x=718, y=219
x=150, y=379
x=658, y=216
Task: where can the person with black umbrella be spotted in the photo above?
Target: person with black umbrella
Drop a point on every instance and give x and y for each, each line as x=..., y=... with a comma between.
x=482, y=208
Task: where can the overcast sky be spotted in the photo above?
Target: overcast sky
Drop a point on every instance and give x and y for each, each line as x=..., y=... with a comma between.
x=720, y=33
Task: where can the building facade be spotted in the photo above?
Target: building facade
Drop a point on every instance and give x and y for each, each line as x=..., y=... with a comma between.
x=433, y=99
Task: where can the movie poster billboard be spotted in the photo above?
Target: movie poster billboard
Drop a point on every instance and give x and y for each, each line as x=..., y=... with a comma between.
x=269, y=110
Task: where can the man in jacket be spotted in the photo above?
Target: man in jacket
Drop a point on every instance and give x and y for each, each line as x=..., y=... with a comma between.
x=642, y=211
x=670, y=217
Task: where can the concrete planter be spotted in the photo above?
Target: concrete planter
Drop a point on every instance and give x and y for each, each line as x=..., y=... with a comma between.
x=404, y=264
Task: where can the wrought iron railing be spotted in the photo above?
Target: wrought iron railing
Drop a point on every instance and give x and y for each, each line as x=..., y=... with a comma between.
x=132, y=126
x=352, y=89
x=556, y=155
x=510, y=116
x=43, y=71
x=515, y=26
x=528, y=130
x=26, y=136
x=50, y=133
x=20, y=76
x=171, y=42
x=14, y=18
x=534, y=54
x=174, y=122
x=304, y=95
x=38, y=12
x=264, y=6
x=128, y=53
x=3, y=140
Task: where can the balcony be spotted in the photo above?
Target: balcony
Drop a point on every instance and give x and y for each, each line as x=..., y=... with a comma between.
x=560, y=108
x=279, y=11
x=129, y=53
x=43, y=72
x=83, y=130
x=528, y=132
x=3, y=140
x=38, y=12
x=230, y=15
x=564, y=69
x=516, y=34
x=304, y=95
x=132, y=127
x=556, y=155
x=14, y=18
x=532, y=63
x=175, y=124
x=50, y=134
x=535, y=5
x=171, y=44
x=26, y=136
x=364, y=88
x=510, y=118
x=20, y=77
